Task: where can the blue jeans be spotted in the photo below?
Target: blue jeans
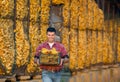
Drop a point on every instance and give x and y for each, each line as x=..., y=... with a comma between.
x=48, y=76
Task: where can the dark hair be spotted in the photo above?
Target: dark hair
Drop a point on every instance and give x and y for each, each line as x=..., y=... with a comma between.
x=51, y=29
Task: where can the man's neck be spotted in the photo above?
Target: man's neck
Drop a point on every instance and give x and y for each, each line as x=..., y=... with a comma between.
x=51, y=42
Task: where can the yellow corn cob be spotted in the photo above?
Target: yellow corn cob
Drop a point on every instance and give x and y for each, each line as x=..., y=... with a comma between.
x=22, y=45
x=74, y=13
x=35, y=39
x=58, y=2
x=66, y=13
x=65, y=37
x=6, y=8
x=100, y=48
x=34, y=10
x=94, y=48
x=107, y=50
x=118, y=47
x=73, y=49
x=22, y=9
x=81, y=49
x=7, y=46
x=45, y=9
x=89, y=54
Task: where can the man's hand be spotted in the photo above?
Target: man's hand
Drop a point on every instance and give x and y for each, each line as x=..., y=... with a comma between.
x=61, y=62
x=64, y=60
x=36, y=60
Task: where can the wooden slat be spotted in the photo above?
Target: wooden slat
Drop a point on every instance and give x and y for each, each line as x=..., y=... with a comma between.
x=11, y=79
x=37, y=77
x=2, y=79
x=21, y=78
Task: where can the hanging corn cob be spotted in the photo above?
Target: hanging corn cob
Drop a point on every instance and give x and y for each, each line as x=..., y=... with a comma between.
x=94, y=47
x=81, y=49
x=65, y=31
x=107, y=50
x=93, y=15
x=74, y=13
x=66, y=13
x=35, y=41
x=111, y=48
x=34, y=10
x=100, y=48
x=118, y=47
x=110, y=25
x=45, y=9
x=90, y=18
x=88, y=48
x=65, y=37
x=7, y=46
x=22, y=45
x=73, y=49
x=6, y=8
x=98, y=18
x=82, y=15
x=22, y=9
x=57, y=2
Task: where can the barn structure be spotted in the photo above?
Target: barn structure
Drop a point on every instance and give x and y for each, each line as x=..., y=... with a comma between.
x=89, y=29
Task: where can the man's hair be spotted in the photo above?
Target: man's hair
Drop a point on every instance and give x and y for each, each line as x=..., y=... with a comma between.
x=51, y=29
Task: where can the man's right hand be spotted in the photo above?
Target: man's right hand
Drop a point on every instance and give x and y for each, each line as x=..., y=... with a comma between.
x=36, y=60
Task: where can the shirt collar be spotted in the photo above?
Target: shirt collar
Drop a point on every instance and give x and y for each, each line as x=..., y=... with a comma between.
x=53, y=44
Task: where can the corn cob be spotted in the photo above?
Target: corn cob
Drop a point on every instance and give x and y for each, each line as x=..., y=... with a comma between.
x=73, y=49
x=6, y=8
x=100, y=48
x=35, y=9
x=74, y=13
x=66, y=13
x=21, y=9
x=57, y=2
x=65, y=37
x=94, y=47
x=7, y=46
x=81, y=49
x=118, y=47
x=88, y=48
x=22, y=45
x=35, y=39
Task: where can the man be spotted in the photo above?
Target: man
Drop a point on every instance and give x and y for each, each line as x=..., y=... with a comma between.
x=52, y=73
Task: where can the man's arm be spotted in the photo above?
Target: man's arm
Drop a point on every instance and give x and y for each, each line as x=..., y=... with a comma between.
x=36, y=57
x=64, y=56
x=66, y=59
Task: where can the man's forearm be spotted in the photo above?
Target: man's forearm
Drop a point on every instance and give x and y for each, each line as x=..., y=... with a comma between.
x=66, y=60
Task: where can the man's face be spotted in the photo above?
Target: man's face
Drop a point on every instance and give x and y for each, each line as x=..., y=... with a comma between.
x=51, y=36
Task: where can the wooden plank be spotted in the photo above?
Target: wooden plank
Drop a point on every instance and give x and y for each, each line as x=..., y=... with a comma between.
x=11, y=79
x=71, y=79
x=95, y=76
x=39, y=80
x=116, y=74
x=105, y=75
x=2, y=79
x=37, y=77
x=99, y=78
x=21, y=78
